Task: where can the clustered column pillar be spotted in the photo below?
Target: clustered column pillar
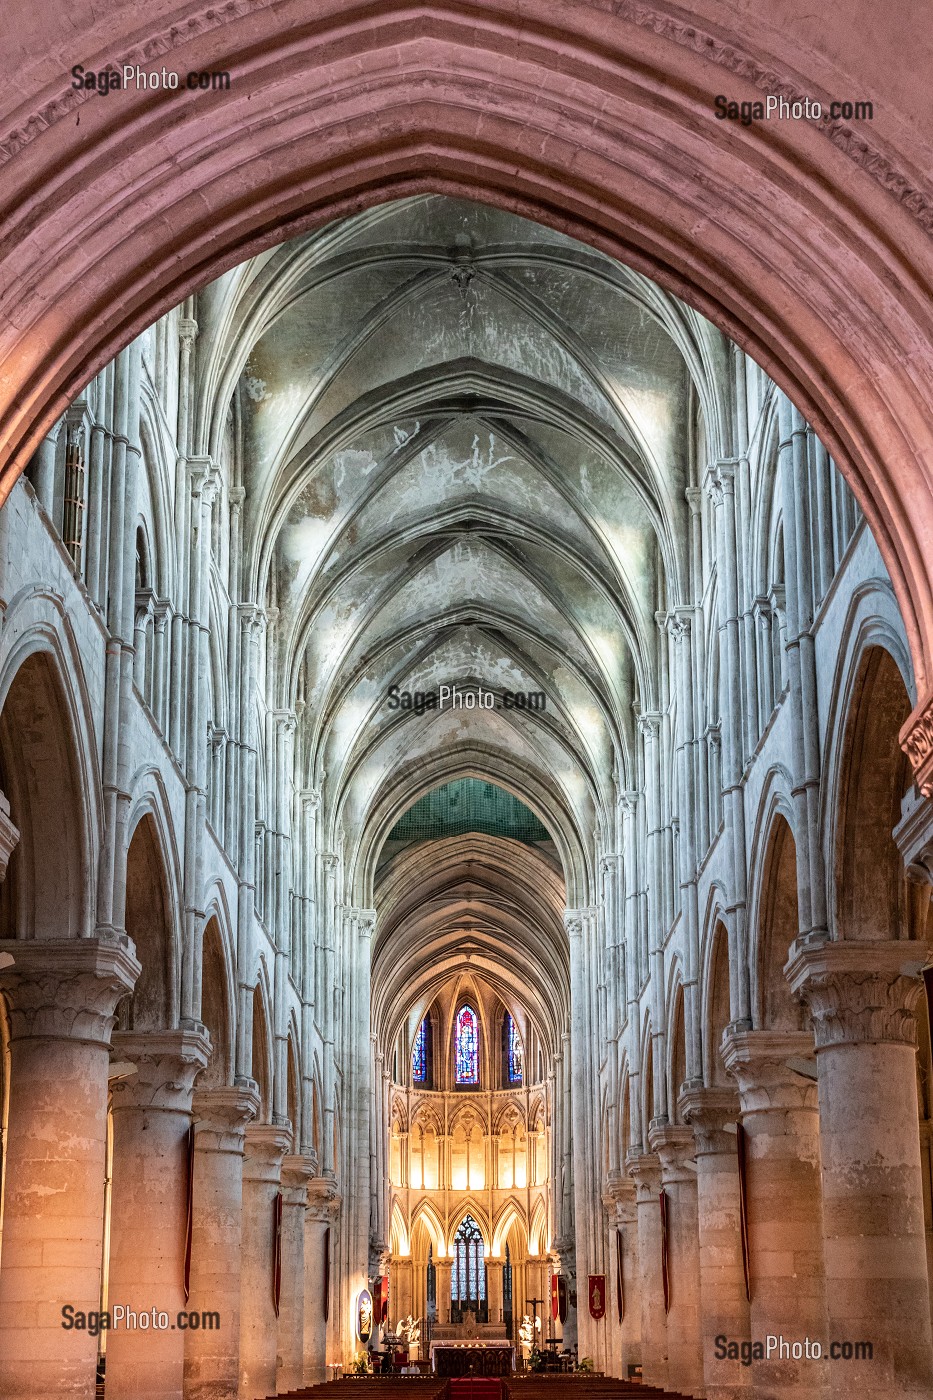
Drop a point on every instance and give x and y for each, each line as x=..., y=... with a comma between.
x=723, y=1303
x=265, y=1146
x=148, y=1225
x=675, y=1149
x=296, y=1173
x=323, y=1203
x=645, y=1171
x=783, y=1196
x=861, y=997
x=62, y=996
x=212, y=1355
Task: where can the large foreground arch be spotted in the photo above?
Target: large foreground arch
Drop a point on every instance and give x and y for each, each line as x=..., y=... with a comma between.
x=808, y=244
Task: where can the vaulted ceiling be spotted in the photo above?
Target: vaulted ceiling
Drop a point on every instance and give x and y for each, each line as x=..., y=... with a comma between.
x=467, y=441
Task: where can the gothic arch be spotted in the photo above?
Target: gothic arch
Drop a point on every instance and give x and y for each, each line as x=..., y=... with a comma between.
x=869, y=886
x=151, y=922
x=778, y=925
x=217, y=1004
x=43, y=776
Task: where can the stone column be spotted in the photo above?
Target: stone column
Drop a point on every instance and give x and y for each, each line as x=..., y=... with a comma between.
x=62, y=996
x=149, y=1210
x=442, y=1286
x=622, y=1213
x=212, y=1354
x=323, y=1203
x=861, y=997
x=674, y=1146
x=784, y=1203
x=494, y=1290
x=265, y=1146
x=645, y=1171
x=723, y=1305
x=296, y=1173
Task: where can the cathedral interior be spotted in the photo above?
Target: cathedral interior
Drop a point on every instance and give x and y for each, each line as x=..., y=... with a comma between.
x=466, y=786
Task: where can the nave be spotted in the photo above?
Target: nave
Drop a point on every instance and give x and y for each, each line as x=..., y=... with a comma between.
x=462, y=886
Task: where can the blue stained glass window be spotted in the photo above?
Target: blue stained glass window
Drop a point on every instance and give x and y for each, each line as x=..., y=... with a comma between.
x=468, y=1275
x=419, y=1054
x=467, y=1046
x=515, y=1053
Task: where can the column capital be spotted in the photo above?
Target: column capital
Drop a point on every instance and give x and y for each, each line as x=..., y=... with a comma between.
x=859, y=992
x=759, y=1063
x=66, y=989
x=720, y=479
x=649, y=725
x=167, y=1064
x=709, y=1113
x=574, y=919
x=9, y=835
x=675, y=1147
x=645, y=1170
x=323, y=1198
x=297, y=1171
x=265, y=1144
x=221, y=1116
x=619, y=1200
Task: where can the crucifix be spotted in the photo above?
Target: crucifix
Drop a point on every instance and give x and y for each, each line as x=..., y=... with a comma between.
x=535, y=1303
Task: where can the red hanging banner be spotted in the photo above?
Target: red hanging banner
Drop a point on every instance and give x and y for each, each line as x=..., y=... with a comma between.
x=743, y=1202
x=189, y=1226
x=620, y=1281
x=326, y=1273
x=554, y=1299
x=665, y=1276
x=597, y=1292
x=276, y=1251
x=558, y=1298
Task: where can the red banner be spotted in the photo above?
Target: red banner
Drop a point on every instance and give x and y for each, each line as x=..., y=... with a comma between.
x=189, y=1225
x=743, y=1201
x=381, y=1298
x=597, y=1293
x=277, y=1251
x=558, y=1298
x=665, y=1277
x=620, y=1279
x=326, y=1271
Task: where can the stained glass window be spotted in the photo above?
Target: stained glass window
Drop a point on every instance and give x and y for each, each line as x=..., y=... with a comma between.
x=468, y=1276
x=515, y=1052
x=419, y=1055
x=467, y=1046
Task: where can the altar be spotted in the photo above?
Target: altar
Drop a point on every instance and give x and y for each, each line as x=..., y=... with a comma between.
x=473, y=1358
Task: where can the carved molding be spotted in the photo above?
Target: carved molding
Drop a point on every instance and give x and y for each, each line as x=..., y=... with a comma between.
x=917, y=742
x=709, y=1111
x=221, y=1116
x=758, y=1062
x=859, y=992
x=66, y=989
x=167, y=1064
x=723, y=52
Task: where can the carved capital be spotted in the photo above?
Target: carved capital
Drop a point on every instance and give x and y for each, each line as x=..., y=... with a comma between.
x=221, y=1116
x=167, y=1064
x=265, y=1146
x=297, y=1171
x=758, y=1062
x=645, y=1170
x=649, y=725
x=917, y=742
x=675, y=1147
x=9, y=835
x=710, y=1113
x=66, y=989
x=323, y=1199
x=720, y=480
x=859, y=992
